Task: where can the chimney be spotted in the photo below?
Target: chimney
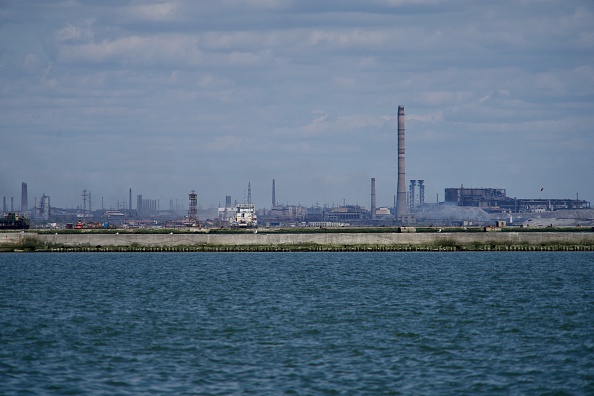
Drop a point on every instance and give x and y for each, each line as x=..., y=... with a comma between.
x=373, y=198
x=401, y=190
x=24, y=198
x=273, y=194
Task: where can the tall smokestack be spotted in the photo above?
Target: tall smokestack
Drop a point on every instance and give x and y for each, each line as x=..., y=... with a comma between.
x=401, y=190
x=24, y=198
x=130, y=201
x=373, y=198
x=273, y=194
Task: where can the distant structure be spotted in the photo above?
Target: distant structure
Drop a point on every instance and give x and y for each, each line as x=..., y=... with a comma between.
x=411, y=196
x=373, y=198
x=416, y=201
x=345, y=213
x=44, y=210
x=4, y=204
x=421, y=192
x=24, y=198
x=85, y=197
x=494, y=200
x=249, y=197
x=130, y=201
x=193, y=209
x=227, y=201
x=273, y=194
x=146, y=207
x=401, y=189
x=245, y=216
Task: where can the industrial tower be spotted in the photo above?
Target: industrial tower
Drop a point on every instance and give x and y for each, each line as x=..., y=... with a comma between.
x=273, y=194
x=373, y=210
x=193, y=210
x=401, y=189
x=24, y=198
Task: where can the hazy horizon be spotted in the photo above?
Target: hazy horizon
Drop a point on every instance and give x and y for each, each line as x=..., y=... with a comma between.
x=166, y=97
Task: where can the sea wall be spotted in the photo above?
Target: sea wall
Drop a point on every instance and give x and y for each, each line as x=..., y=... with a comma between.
x=314, y=241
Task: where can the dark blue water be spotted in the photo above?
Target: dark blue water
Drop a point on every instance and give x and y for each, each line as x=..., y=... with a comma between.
x=312, y=323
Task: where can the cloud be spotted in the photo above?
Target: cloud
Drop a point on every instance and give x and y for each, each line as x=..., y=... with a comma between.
x=228, y=144
x=432, y=118
x=307, y=88
x=72, y=33
x=161, y=12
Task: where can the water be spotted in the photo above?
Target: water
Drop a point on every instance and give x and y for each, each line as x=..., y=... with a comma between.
x=292, y=323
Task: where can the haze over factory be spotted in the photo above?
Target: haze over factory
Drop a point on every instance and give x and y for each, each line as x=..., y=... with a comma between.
x=168, y=96
x=461, y=206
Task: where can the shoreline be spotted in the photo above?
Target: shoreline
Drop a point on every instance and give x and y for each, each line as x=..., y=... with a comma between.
x=296, y=242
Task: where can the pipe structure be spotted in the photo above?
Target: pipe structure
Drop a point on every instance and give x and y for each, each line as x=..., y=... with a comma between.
x=273, y=194
x=373, y=198
x=401, y=189
x=24, y=198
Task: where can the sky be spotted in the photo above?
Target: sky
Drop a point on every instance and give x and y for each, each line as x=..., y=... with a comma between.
x=166, y=97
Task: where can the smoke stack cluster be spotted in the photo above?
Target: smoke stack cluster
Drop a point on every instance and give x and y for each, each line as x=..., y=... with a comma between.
x=401, y=190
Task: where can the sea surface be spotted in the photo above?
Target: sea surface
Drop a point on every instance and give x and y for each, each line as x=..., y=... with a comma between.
x=297, y=323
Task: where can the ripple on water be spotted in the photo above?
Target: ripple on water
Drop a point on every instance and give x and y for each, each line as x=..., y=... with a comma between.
x=262, y=323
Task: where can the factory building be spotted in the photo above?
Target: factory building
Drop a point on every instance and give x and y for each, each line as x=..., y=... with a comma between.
x=287, y=213
x=481, y=197
x=347, y=213
x=495, y=200
x=146, y=207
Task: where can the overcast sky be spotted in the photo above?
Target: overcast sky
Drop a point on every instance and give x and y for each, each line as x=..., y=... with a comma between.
x=166, y=97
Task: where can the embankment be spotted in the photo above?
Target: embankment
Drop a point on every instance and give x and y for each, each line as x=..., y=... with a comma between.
x=443, y=241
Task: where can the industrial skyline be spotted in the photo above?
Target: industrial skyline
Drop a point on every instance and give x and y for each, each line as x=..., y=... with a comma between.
x=166, y=97
x=484, y=197
x=405, y=202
